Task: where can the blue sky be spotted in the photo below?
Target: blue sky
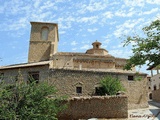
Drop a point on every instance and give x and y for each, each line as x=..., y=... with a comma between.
x=80, y=22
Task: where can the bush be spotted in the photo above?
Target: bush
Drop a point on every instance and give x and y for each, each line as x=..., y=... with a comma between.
x=29, y=101
x=110, y=86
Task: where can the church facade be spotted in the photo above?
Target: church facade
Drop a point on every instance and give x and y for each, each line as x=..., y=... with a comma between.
x=74, y=74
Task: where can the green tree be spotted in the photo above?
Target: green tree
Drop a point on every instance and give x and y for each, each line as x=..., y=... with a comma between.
x=146, y=48
x=110, y=86
x=29, y=101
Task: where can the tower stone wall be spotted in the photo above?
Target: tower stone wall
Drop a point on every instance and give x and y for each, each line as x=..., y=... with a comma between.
x=43, y=41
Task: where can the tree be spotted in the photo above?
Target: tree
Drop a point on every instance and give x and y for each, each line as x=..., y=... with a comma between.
x=29, y=101
x=110, y=86
x=146, y=48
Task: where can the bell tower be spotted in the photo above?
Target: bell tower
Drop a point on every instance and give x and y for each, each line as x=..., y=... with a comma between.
x=43, y=41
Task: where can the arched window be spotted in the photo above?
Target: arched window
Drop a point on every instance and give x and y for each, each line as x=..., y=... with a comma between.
x=150, y=96
x=154, y=87
x=44, y=34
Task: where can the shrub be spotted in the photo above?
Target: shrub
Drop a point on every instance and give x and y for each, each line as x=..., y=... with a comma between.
x=29, y=101
x=110, y=86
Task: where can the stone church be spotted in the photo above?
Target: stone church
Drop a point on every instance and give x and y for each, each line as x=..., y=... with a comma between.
x=74, y=74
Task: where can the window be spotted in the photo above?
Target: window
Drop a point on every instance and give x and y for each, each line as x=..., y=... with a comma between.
x=98, y=90
x=1, y=76
x=44, y=34
x=97, y=46
x=154, y=87
x=149, y=87
x=130, y=78
x=150, y=96
x=79, y=90
x=33, y=76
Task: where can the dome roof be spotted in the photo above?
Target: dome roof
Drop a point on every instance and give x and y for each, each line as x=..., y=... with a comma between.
x=96, y=43
x=96, y=50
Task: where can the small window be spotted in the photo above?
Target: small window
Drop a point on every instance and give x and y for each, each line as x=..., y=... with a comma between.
x=97, y=46
x=150, y=96
x=44, y=34
x=79, y=90
x=155, y=88
x=98, y=90
x=130, y=78
x=33, y=76
x=1, y=76
x=149, y=87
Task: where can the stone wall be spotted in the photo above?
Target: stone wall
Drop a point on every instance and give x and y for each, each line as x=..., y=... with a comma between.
x=156, y=95
x=11, y=74
x=95, y=107
x=39, y=49
x=87, y=61
x=66, y=82
x=155, y=82
x=37, y=28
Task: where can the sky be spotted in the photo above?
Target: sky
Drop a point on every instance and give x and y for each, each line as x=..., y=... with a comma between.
x=80, y=23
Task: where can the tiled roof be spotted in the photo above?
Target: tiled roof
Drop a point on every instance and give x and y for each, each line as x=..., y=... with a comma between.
x=25, y=65
x=80, y=54
x=117, y=71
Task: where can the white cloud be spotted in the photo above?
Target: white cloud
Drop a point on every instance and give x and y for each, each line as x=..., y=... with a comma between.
x=48, y=5
x=153, y=2
x=73, y=43
x=93, y=6
x=118, y=46
x=125, y=13
x=92, y=30
x=121, y=53
x=108, y=14
x=151, y=11
x=96, y=6
x=90, y=20
x=62, y=32
x=85, y=47
x=74, y=49
x=37, y=3
x=106, y=41
x=140, y=3
x=127, y=27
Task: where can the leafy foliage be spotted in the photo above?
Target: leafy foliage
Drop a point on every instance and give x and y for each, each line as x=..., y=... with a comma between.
x=29, y=101
x=110, y=86
x=145, y=48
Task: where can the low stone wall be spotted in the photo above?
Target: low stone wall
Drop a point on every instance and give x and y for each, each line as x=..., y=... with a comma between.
x=156, y=95
x=96, y=107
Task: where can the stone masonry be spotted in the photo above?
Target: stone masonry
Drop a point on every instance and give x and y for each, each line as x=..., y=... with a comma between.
x=39, y=49
x=66, y=82
x=95, y=107
x=156, y=95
